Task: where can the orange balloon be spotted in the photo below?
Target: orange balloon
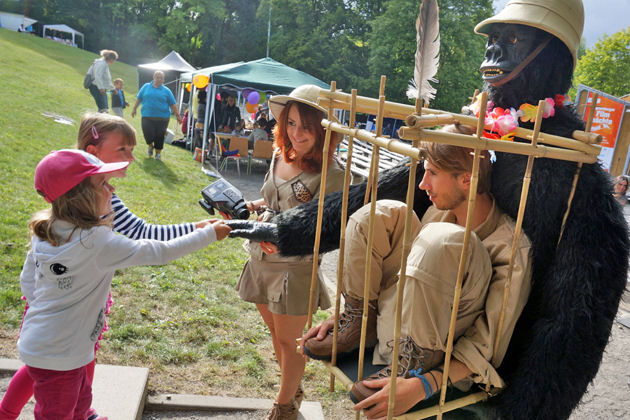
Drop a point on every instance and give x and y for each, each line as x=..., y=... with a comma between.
x=250, y=108
x=188, y=87
x=201, y=81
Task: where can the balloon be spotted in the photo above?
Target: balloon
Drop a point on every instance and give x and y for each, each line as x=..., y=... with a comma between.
x=246, y=92
x=188, y=87
x=253, y=98
x=218, y=96
x=263, y=98
x=251, y=108
x=201, y=81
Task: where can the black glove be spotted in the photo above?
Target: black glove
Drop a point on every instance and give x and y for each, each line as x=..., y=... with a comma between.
x=253, y=230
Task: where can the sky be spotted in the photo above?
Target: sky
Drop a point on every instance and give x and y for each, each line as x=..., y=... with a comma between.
x=600, y=17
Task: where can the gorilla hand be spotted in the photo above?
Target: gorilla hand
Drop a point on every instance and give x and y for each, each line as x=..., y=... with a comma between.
x=252, y=230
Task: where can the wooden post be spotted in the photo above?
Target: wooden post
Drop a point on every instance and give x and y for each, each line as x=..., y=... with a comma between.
x=342, y=239
x=518, y=227
x=589, y=124
x=370, y=241
x=472, y=196
x=320, y=214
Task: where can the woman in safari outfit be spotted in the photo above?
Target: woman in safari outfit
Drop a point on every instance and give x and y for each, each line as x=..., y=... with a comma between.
x=279, y=285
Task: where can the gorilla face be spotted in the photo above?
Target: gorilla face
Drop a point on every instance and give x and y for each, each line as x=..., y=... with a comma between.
x=508, y=45
x=548, y=74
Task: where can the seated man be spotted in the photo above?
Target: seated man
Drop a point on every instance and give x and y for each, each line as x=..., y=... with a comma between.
x=431, y=270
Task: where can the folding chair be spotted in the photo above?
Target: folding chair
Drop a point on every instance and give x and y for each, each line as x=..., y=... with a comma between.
x=238, y=145
x=263, y=150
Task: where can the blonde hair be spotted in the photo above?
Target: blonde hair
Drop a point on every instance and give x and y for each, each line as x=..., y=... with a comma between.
x=79, y=206
x=118, y=79
x=109, y=55
x=458, y=160
x=103, y=125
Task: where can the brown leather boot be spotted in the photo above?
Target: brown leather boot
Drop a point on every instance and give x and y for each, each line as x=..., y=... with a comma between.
x=288, y=411
x=349, y=331
x=410, y=356
x=299, y=395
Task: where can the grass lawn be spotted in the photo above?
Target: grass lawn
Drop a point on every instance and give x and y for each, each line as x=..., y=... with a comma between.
x=183, y=320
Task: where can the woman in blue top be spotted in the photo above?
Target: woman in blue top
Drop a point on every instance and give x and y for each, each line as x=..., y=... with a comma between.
x=157, y=102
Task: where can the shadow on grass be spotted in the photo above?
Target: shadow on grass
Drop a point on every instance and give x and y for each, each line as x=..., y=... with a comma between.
x=159, y=170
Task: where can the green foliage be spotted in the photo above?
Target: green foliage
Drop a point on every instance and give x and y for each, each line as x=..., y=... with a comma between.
x=606, y=66
x=393, y=46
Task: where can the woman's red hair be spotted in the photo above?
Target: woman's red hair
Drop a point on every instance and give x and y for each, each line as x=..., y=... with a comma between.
x=311, y=118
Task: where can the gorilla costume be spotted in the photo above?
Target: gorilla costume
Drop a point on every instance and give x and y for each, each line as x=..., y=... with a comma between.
x=558, y=343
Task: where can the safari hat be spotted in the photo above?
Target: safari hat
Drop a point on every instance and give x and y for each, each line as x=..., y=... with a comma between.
x=62, y=170
x=561, y=18
x=306, y=94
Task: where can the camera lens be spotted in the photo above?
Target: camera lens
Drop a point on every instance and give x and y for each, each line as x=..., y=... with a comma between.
x=242, y=213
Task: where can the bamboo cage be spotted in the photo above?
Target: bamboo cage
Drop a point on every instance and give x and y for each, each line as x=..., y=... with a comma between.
x=582, y=148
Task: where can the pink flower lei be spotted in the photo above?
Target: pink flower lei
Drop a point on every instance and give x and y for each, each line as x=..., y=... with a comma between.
x=501, y=123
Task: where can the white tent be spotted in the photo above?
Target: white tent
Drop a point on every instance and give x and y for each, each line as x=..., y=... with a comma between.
x=12, y=21
x=64, y=28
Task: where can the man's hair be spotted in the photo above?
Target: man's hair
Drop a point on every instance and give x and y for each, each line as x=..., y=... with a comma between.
x=78, y=206
x=311, y=120
x=458, y=160
x=103, y=125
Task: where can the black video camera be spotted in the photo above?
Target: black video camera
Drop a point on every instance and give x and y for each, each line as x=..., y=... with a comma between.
x=223, y=196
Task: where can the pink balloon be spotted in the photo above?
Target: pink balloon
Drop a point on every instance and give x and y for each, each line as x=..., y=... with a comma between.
x=218, y=96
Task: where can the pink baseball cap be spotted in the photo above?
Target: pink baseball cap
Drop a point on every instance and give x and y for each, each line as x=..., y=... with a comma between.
x=62, y=170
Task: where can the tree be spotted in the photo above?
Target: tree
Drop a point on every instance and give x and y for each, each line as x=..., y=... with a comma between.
x=393, y=45
x=606, y=66
x=325, y=38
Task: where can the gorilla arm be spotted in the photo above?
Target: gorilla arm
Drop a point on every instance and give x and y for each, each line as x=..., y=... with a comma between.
x=296, y=227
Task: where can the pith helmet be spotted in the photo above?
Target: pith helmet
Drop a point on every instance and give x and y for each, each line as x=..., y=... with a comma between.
x=562, y=18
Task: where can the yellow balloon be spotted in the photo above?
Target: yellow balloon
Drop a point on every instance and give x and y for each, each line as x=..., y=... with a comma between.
x=188, y=87
x=263, y=98
x=201, y=81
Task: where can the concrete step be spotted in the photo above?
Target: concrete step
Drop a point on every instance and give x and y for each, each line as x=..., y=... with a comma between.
x=310, y=410
x=119, y=392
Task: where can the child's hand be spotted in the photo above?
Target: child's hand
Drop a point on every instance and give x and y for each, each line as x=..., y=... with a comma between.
x=221, y=229
x=203, y=223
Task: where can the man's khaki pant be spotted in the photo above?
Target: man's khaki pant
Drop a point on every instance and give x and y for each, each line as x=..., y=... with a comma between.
x=432, y=268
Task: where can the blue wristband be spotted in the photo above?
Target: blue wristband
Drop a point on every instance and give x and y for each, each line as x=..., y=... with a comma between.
x=428, y=389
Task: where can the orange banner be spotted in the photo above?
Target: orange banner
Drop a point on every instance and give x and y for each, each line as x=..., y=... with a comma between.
x=607, y=119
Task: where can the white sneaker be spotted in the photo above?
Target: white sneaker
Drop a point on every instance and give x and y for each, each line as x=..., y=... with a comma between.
x=158, y=156
x=150, y=151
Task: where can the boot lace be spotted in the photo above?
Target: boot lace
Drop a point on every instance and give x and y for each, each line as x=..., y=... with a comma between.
x=410, y=357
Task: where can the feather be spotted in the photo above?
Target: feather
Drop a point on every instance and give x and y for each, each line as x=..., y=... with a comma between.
x=427, y=52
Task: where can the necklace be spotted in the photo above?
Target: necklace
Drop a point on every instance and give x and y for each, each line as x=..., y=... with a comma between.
x=500, y=123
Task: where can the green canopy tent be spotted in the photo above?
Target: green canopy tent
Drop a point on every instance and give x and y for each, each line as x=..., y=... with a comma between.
x=265, y=74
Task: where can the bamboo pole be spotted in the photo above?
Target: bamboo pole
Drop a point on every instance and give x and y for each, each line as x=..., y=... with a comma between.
x=339, y=374
x=320, y=215
x=472, y=196
x=342, y=240
x=449, y=406
x=407, y=241
x=401, y=111
x=589, y=124
x=500, y=145
x=370, y=241
x=518, y=229
x=413, y=122
x=456, y=139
